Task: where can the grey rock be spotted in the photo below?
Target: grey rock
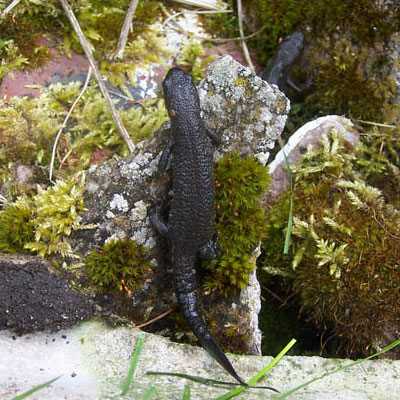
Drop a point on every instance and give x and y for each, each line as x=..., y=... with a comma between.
x=249, y=115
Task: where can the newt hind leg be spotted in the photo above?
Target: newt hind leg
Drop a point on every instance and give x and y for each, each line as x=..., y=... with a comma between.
x=157, y=221
x=209, y=251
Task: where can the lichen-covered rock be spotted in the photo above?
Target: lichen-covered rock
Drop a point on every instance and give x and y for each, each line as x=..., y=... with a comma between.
x=249, y=114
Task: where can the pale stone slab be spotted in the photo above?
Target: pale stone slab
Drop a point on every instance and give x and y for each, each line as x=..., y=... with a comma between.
x=94, y=360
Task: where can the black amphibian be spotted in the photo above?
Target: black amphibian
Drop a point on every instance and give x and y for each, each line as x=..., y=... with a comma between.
x=190, y=225
x=278, y=68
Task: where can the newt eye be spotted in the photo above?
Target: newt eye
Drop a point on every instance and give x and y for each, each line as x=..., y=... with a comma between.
x=171, y=112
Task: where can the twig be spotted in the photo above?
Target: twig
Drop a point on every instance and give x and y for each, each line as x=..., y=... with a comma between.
x=224, y=40
x=3, y=201
x=216, y=40
x=65, y=158
x=137, y=101
x=173, y=16
x=9, y=8
x=207, y=12
x=88, y=52
x=381, y=224
x=155, y=318
x=270, y=292
x=375, y=124
x=125, y=29
x=286, y=300
x=204, y=38
x=244, y=45
x=204, y=4
x=64, y=124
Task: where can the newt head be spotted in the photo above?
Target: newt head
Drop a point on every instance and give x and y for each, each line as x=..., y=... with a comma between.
x=179, y=91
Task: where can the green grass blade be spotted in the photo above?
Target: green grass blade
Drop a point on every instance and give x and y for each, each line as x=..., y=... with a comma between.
x=257, y=377
x=134, y=362
x=289, y=227
x=197, y=379
x=186, y=393
x=149, y=394
x=35, y=389
x=290, y=219
x=289, y=171
x=334, y=371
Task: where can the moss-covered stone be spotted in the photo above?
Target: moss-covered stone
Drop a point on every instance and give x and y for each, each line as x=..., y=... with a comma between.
x=241, y=222
x=16, y=226
x=344, y=249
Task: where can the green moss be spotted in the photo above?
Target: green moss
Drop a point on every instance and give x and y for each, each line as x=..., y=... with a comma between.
x=16, y=226
x=365, y=19
x=347, y=63
x=28, y=128
x=241, y=222
x=41, y=224
x=347, y=81
x=379, y=161
x=56, y=214
x=120, y=265
x=101, y=22
x=21, y=51
x=344, y=251
x=193, y=57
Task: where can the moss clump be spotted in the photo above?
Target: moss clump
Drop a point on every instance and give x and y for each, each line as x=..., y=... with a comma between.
x=193, y=57
x=379, y=161
x=346, y=55
x=41, y=224
x=345, y=248
x=348, y=80
x=241, y=222
x=16, y=226
x=365, y=19
x=22, y=51
x=120, y=265
x=101, y=22
x=28, y=127
x=56, y=214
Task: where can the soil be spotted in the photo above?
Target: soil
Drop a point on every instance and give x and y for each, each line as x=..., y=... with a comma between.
x=32, y=297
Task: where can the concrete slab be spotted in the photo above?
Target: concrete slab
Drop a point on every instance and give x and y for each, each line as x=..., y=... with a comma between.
x=94, y=359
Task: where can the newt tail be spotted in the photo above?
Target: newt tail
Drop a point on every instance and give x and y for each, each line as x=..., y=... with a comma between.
x=185, y=275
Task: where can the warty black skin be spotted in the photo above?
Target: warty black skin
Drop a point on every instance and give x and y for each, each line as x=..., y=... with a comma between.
x=191, y=221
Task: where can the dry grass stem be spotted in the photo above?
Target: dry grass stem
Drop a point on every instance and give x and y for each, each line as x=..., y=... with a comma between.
x=88, y=52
